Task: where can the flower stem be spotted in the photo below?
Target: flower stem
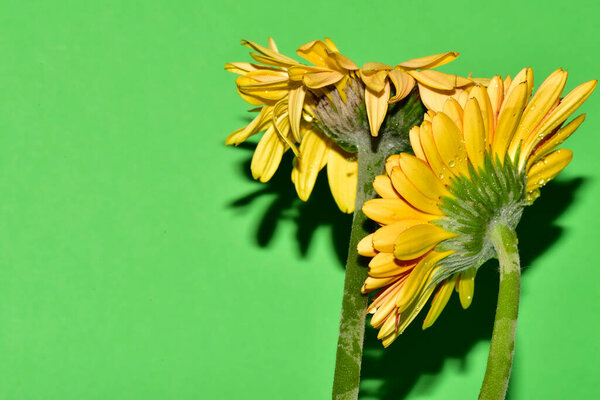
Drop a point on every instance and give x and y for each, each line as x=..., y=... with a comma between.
x=352, y=324
x=502, y=347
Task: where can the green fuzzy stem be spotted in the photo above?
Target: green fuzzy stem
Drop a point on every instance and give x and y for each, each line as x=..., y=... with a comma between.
x=502, y=346
x=349, y=128
x=352, y=324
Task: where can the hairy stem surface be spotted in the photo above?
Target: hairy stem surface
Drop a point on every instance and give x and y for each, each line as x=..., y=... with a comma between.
x=502, y=346
x=372, y=152
x=352, y=324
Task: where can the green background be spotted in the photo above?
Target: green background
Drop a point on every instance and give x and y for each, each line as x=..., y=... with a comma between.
x=138, y=260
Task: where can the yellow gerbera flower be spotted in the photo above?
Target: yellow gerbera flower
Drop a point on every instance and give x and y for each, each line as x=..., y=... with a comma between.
x=296, y=100
x=475, y=163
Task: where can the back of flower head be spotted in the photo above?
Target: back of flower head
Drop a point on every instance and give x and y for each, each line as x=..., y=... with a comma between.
x=315, y=105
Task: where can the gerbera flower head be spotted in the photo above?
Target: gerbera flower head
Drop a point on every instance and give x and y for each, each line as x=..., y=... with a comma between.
x=479, y=161
x=324, y=112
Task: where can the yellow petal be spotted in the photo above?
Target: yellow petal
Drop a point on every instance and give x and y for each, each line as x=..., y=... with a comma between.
x=319, y=79
x=273, y=45
x=418, y=278
x=272, y=56
x=377, y=105
x=496, y=94
x=340, y=86
x=512, y=84
x=529, y=82
x=388, y=340
x=555, y=140
x=267, y=155
x=275, y=62
x=297, y=72
x=415, y=142
x=252, y=128
x=330, y=45
x=313, y=156
x=418, y=240
x=255, y=101
x=462, y=95
x=450, y=144
x=411, y=312
x=453, y=110
x=415, y=197
x=546, y=169
x=344, y=62
x=507, y=83
x=392, y=162
x=234, y=137
x=281, y=122
x=429, y=62
x=470, y=81
x=435, y=99
x=557, y=116
x=403, y=83
x=263, y=85
x=242, y=68
x=480, y=93
x=342, y=173
x=385, y=265
x=365, y=246
x=376, y=283
x=433, y=156
x=295, y=106
x=466, y=287
x=429, y=115
x=439, y=301
x=317, y=53
x=568, y=105
x=434, y=79
x=388, y=211
x=474, y=133
x=375, y=81
x=374, y=67
x=385, y=308
x=384, y=188
x=388, y=327
x=420, y=175
x=385, y=237
x=385, y=295
x=544, y=99
x=508, y=121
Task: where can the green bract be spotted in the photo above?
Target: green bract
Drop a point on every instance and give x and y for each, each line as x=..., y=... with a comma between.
x=494, y=193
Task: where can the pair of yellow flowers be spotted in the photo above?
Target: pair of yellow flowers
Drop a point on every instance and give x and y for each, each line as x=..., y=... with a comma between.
x=469, y=123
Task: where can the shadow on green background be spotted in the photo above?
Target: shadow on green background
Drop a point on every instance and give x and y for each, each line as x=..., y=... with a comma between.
x=319, y=211
x=398, y=371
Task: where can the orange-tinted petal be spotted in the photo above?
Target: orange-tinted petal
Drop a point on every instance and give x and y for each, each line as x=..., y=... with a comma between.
x=429, y=62
x=385, y=237
x=384, y=188
x=403, y=84
x=410, y=192
x=377, y=105
x=388, y=211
